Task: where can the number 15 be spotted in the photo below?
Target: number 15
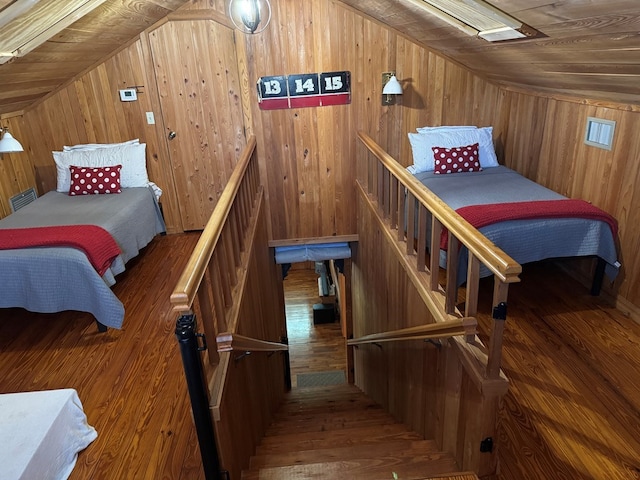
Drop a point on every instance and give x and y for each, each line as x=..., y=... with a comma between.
x=333, y=83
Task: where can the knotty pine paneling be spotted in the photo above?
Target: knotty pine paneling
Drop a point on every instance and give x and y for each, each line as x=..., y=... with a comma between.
x=544, y=141
x=89, y=110
x=255, y=384
x=195, y=65
x=16, y=171
x=308, y=156
x=413, y=379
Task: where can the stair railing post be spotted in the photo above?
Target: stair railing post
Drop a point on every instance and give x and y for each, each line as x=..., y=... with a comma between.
x=197, y=387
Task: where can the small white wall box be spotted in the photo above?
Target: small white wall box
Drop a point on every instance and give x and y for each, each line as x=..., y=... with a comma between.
x=128, y=94
x=599, y=132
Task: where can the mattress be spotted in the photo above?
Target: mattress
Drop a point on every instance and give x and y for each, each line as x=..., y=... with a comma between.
x=41, y=434
x=524, y=240
x=54, y=279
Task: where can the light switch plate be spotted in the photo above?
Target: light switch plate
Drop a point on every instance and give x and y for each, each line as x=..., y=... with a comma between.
x=150, y=118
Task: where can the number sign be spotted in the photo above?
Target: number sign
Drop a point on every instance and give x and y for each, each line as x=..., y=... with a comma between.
x=304, y=90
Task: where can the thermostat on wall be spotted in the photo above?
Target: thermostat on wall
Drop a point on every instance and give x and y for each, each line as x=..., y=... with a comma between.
x=128, y=95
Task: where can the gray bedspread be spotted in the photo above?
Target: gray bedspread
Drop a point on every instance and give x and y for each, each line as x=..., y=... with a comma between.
x=524, y=240
x=55, y=279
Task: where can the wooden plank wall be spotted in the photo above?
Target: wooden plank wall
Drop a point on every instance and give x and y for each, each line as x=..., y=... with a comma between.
x=424, y=386
x=89, y=110
x=255, y=384
x=544, y=141
x=16, y=170
x=308, y=156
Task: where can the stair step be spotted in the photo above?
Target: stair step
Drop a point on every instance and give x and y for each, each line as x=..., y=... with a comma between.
x=330, y=391
x=331, y=422
x=327, y=404
x=408, y=466
x=454, y=476
x=326, y=419
x=328, y=413
x=338, y=432
x=341, y=453
x=336, y=438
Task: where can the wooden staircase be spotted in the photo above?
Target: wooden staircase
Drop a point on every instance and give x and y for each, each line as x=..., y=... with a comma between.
x=337, y=432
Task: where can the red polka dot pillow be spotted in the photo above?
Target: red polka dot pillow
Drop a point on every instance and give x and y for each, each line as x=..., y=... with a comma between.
x=95, y=180
x=456, y=159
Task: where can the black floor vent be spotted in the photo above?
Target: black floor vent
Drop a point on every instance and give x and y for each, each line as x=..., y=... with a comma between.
x=23, y=199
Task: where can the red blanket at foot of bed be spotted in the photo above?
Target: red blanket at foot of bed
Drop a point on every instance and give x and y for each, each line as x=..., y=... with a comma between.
x=482, y=215
x=98, y=244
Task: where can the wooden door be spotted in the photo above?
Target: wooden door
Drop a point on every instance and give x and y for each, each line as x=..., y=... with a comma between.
x=197, y=75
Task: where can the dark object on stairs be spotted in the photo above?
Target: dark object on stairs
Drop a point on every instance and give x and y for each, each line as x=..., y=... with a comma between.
x=324, y=313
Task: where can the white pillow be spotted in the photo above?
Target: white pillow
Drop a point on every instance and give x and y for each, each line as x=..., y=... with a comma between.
x=467, y=135
x=131, y=157
x=93, y=146
x=444, y=128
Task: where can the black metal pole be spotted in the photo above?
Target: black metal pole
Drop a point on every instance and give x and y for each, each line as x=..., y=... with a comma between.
x=287, y=364
x=598, y=277
x=187, y=338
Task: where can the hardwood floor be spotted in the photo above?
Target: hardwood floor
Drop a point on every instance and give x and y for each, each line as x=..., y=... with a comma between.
x=573, y=407
x=573, y=362
x=130, y=381
x=572, y=411
x=312, y=348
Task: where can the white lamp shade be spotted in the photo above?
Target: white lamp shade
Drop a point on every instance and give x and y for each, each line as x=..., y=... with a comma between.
x=9, y=144
x=250, y=16
x=392, y=87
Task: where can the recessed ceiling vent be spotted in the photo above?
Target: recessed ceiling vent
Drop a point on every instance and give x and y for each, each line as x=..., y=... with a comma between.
x=479, y=18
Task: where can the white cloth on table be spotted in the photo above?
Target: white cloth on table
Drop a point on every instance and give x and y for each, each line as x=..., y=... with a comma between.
x=41, y=434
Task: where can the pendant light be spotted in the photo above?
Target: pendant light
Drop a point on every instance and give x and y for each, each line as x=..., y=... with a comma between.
x=250, y=16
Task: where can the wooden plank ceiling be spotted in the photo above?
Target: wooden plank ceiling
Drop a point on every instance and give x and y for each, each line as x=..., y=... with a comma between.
x=591, y=48
x=62, y=39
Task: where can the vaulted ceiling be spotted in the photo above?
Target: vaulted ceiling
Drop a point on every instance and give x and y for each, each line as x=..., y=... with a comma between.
x=590, y=48
x=96, y=28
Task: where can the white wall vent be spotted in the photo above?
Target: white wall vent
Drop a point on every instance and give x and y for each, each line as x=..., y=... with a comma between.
x=599, y=132
x=22, y=199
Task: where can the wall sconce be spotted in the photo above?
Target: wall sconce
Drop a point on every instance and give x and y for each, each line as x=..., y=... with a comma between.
x=250, y=16
x=390, y=88
x=8, y=144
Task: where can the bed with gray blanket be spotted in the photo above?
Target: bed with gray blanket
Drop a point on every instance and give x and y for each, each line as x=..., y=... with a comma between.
x=525, y=240
x=55, y=279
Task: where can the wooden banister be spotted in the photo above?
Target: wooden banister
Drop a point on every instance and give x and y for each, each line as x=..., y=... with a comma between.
x=499, y=263
x=383, y=179
x=448, y=328
x=185, y=290
x=228, y=342
x=231, y=284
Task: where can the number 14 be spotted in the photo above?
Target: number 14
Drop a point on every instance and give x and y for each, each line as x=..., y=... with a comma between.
x=307, y=86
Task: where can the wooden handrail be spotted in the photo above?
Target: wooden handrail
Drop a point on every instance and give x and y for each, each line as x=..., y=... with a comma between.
x=185, y=291
x=448, y=328
x=498, y=262
x=228, y=342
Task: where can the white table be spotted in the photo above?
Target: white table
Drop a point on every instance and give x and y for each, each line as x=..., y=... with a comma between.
x=41, y=434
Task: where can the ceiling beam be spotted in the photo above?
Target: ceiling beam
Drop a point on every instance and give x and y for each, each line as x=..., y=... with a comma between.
x=48, y=27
